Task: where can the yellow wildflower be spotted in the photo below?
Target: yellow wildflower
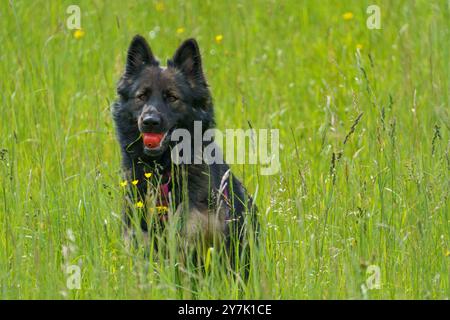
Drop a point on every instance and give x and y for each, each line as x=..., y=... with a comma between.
x=180, y=30
x=219, y=39
x=347, y=16
x=359, y=46
x=139, y=204
x=124, y=183
x=162, y=209
x=78, y=34
x=159, y=6
x=134, y=182
x=148, y=175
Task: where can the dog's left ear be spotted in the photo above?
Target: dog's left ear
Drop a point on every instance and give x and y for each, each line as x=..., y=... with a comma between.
x=188, y=60
x=139, y=54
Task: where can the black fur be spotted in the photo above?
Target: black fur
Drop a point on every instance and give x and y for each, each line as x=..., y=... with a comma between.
x=178, y=95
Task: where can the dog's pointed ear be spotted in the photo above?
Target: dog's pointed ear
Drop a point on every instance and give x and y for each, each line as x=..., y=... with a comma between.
x=188, y=60
x=139, y=53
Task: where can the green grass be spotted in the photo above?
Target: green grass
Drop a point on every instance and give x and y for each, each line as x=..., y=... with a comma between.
x=290, y=65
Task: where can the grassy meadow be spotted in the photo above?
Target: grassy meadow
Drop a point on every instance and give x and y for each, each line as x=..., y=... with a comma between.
x=363, y=116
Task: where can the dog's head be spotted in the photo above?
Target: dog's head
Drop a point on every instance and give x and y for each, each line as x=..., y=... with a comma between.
x=156, y=100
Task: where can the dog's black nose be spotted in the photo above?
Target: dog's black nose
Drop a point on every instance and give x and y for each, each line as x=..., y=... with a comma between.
x=152, y=120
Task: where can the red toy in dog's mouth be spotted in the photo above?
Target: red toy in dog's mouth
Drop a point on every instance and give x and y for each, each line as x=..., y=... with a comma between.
x=152, y=140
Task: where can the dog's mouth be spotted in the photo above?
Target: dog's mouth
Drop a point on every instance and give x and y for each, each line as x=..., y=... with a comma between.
x=155, y=143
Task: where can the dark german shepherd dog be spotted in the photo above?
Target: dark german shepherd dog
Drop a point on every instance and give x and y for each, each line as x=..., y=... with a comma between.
x=153, y=102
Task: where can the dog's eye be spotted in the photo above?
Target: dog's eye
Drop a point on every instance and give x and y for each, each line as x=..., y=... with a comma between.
x=142, y=96
x=171, y=97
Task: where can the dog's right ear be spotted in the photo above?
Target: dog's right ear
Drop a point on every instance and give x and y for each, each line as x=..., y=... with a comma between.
x=139, y=53
x=188, y=60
